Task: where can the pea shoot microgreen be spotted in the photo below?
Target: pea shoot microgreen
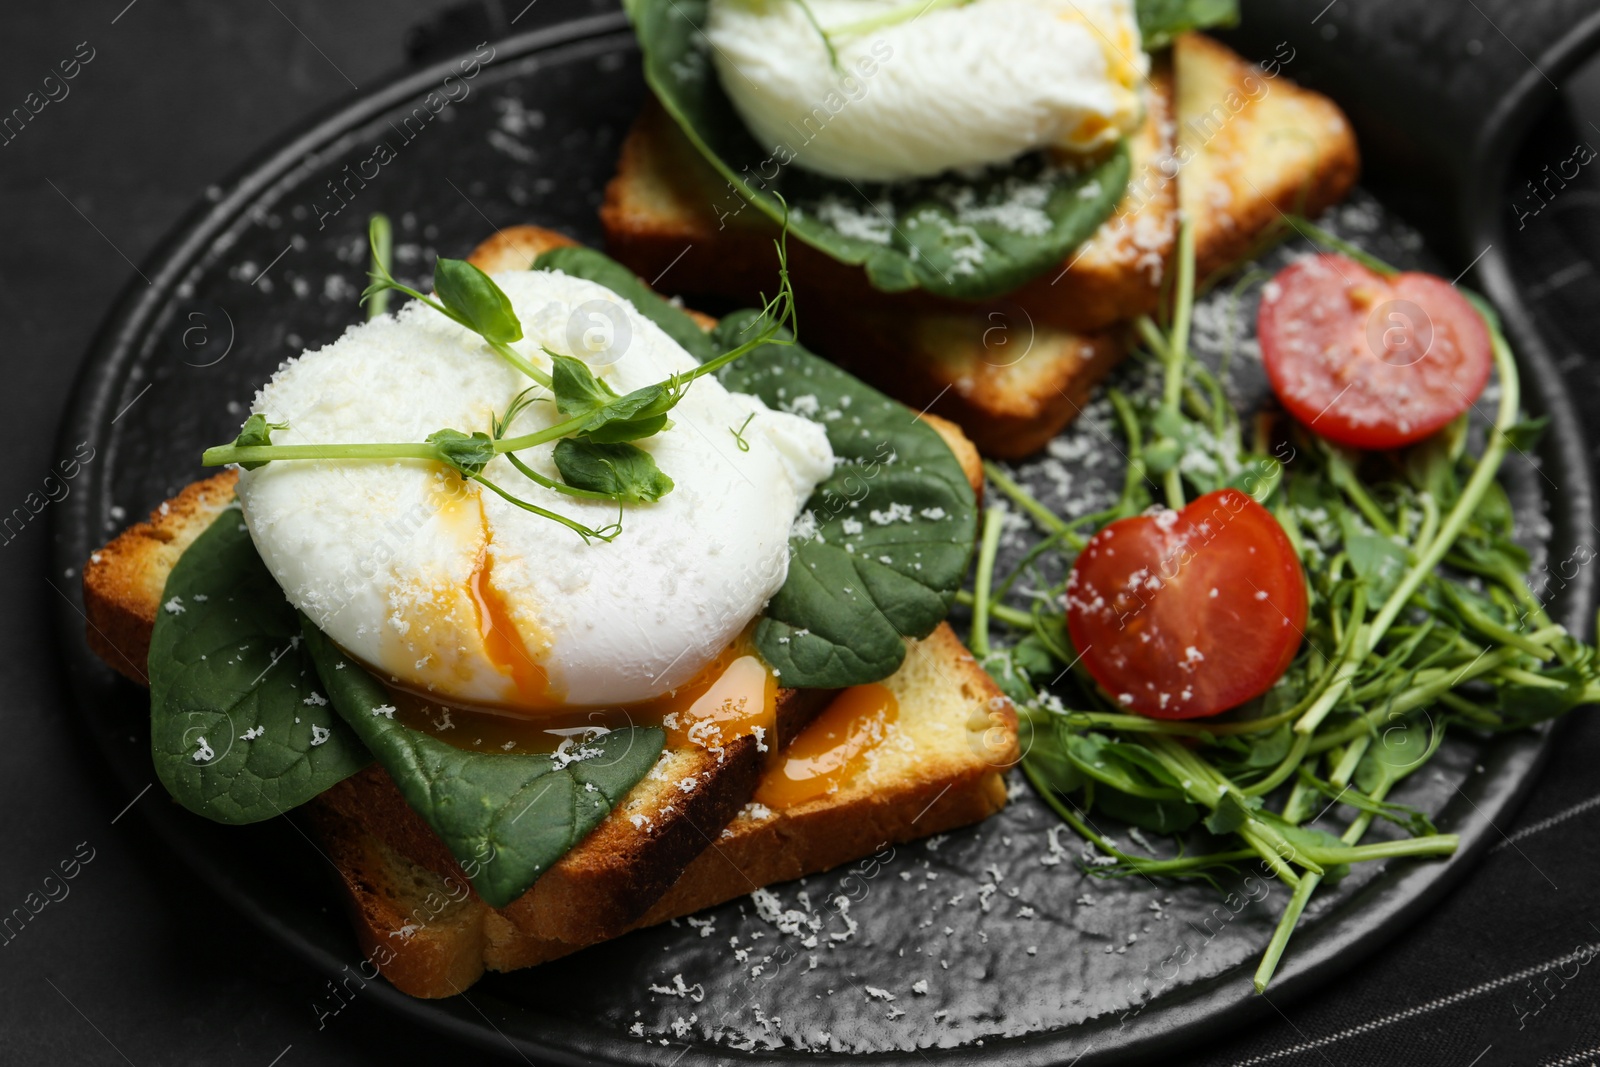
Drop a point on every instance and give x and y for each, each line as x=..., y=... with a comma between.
x=380, y=236
x=593, y=445
x=466, y=296
x=1398, y=650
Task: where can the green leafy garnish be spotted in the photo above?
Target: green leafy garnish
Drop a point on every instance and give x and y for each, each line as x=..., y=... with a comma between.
x=602, y=414
x=473, y=299
x=469, y=454
x=577, y=390
x=506, y=817
x=240, y=730
x=956, y=235
x=1399, y=647
x=469, y=297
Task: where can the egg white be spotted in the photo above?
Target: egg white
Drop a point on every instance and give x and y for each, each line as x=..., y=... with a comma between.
x=382, y=554
x=956, y=87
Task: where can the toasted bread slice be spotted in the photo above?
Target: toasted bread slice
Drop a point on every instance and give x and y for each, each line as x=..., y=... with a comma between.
x=413, y=908
x=621, y=875
x=1250, y=149
x=942, y=768
x=1246, y=148
x=599, y=888
x=1010, y=383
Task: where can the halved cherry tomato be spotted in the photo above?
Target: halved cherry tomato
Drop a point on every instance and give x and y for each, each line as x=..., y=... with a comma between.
x=1369, y=361
x=1180, y=614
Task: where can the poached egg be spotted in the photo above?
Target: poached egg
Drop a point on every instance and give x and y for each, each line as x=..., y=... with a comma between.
x=444, y=588
x=955, y=87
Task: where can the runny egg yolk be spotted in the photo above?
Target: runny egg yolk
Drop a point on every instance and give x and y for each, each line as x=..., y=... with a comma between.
x=833, y=749
x=465, y=633
x=735, y=696
x=501, y=643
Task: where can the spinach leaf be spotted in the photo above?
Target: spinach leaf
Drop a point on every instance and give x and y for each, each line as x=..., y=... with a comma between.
x=943, y=234
x=1162, y=20
x=239, y=728
x=507, y=818
x=883, y=544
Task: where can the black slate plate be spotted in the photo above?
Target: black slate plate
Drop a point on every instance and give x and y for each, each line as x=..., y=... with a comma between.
x=1025, y=959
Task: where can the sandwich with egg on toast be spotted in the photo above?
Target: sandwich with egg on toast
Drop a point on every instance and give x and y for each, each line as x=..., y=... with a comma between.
x=614, y=860
x=1231, y=144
